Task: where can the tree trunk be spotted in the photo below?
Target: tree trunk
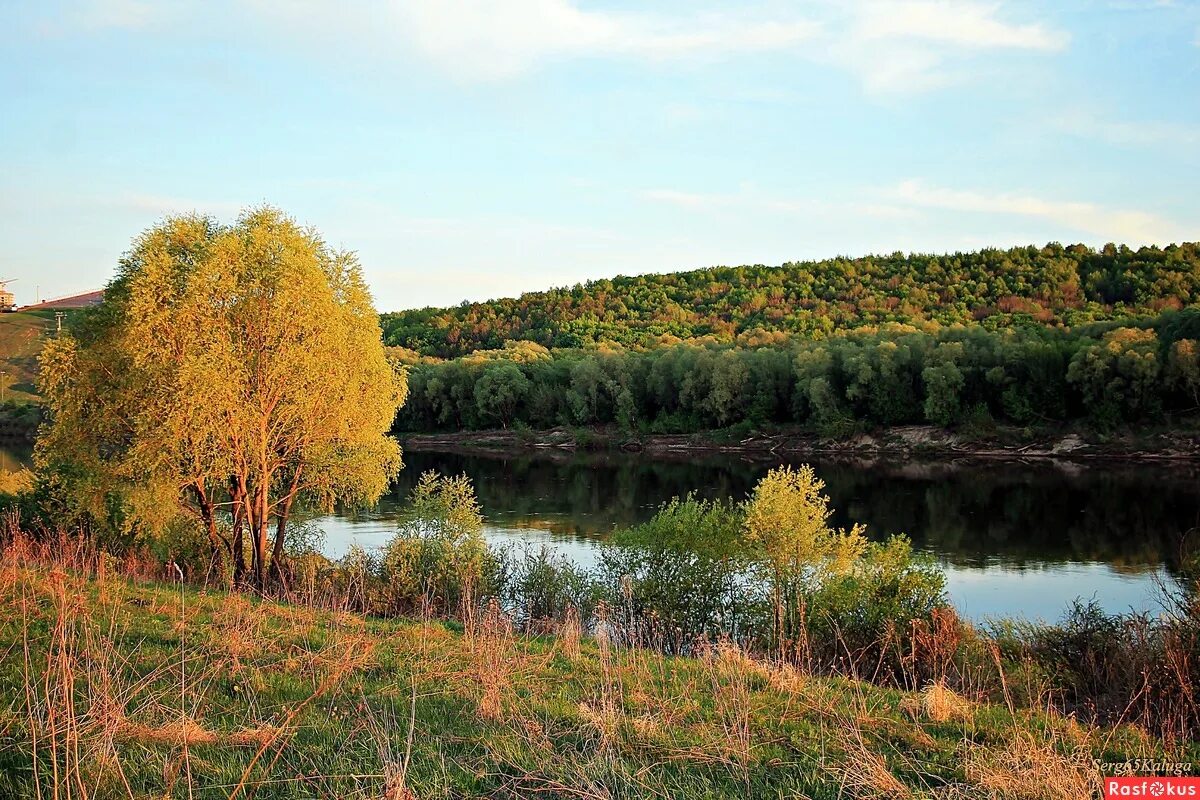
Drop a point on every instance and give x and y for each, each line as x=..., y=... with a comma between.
x=257, y=525
x=282, y=513
x=237, y=491
x=278, y=574
x=217, y=541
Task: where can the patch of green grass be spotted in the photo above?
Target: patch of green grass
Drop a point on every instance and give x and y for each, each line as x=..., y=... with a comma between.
x=22, y=335
x=279, y=701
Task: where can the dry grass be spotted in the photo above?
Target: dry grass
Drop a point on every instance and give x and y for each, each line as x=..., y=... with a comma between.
x=491, y=650
x=570, y=632
x=937, y=703
x=1033, y=767
x=191, y=733
x=253, y=695
x=863, y=773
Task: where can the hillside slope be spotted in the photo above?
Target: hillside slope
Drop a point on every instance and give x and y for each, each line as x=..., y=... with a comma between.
x=1050, y=285
x=21, y=338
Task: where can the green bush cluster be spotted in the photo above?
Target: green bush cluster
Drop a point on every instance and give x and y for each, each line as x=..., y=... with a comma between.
x=696, y=571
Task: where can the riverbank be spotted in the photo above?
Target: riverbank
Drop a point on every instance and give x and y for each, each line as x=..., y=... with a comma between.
x=292, y=700
x=913, y=441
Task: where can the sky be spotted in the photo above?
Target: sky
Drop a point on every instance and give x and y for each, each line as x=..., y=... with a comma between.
x=469, y=150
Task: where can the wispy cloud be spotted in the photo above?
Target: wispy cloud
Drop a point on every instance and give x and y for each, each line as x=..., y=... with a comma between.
x=1129, y=132
x=889, y=45
x=131, y=15
x=907, y=46
x=1107, y=224
x=494, y=40
x=962, y=24
x=1140, y=5
x=749, y=200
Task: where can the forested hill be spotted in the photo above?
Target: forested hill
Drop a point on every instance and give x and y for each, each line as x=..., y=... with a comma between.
x=1053, y=284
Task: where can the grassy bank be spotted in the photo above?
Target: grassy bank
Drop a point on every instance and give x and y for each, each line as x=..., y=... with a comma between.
x=22, y=335
x=121, y=688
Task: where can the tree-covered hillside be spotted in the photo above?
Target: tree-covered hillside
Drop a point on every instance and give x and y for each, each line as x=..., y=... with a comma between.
x=1051, y=285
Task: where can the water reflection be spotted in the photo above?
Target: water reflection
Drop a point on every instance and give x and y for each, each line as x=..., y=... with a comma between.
x=1130, y=516
x=1015, y=538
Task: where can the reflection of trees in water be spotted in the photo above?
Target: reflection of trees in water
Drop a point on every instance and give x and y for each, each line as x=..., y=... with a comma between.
x=16, y=456
x=1132, y=515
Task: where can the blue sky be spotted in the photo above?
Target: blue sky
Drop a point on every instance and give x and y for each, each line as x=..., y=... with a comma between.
x=469, y=150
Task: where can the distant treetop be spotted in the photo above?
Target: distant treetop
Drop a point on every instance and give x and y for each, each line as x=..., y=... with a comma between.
x=1051, y=285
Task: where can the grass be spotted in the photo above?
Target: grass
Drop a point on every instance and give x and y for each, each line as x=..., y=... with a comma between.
x=116, y=688
x=22, y=335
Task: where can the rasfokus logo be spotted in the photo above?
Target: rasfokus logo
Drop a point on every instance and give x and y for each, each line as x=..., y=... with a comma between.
x=1151, y=787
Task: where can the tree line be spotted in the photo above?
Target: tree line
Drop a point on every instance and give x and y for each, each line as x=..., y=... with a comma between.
x=1106, y=374
x=1052, y=285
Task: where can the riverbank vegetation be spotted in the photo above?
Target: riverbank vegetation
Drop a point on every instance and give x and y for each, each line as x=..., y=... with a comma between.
x=124, y=688
x=718, y=651
x=1101, y=377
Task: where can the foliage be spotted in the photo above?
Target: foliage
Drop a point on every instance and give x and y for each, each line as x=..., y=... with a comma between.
x=438, y=560
x=231, y=373
x=685, y=568
x=787, y=526
x=867, y=615
x=1119, y=376
x=542, y=585
x=1102, y=375
x=1052, y=285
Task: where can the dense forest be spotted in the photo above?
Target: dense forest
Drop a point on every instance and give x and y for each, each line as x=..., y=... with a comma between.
x=1054, y=285
x=1106, y=374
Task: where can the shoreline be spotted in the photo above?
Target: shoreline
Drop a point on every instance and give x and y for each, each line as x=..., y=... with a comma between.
x=908, y=442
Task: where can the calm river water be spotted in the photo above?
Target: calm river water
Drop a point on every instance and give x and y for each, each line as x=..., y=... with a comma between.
x=1015, y=539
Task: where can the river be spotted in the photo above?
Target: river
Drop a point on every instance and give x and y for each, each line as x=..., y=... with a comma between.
x=1015, y=539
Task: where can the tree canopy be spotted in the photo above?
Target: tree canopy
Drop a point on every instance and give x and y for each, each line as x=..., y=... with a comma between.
x=1107, y=375
x=1053, y=285
x=231, y=373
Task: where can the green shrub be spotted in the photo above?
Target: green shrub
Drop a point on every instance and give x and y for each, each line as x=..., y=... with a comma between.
x=686, y=567
x=438, y=559
x=542, y=584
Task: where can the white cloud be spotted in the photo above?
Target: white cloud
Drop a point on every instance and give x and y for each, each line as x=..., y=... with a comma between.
x=1141, y=5
x=906, y=46
x=1106, y=224
x=891, y=46
x=952, y=22
x=120, y=14
x=689, y=200
x=1137, y=132
x=493, y=40
x=748, y=200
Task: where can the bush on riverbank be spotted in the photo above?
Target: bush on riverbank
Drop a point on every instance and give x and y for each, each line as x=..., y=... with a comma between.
x=1118, y=667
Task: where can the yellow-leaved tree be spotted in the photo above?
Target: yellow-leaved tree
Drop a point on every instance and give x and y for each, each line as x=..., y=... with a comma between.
x=232, y=373
x=787, y=523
